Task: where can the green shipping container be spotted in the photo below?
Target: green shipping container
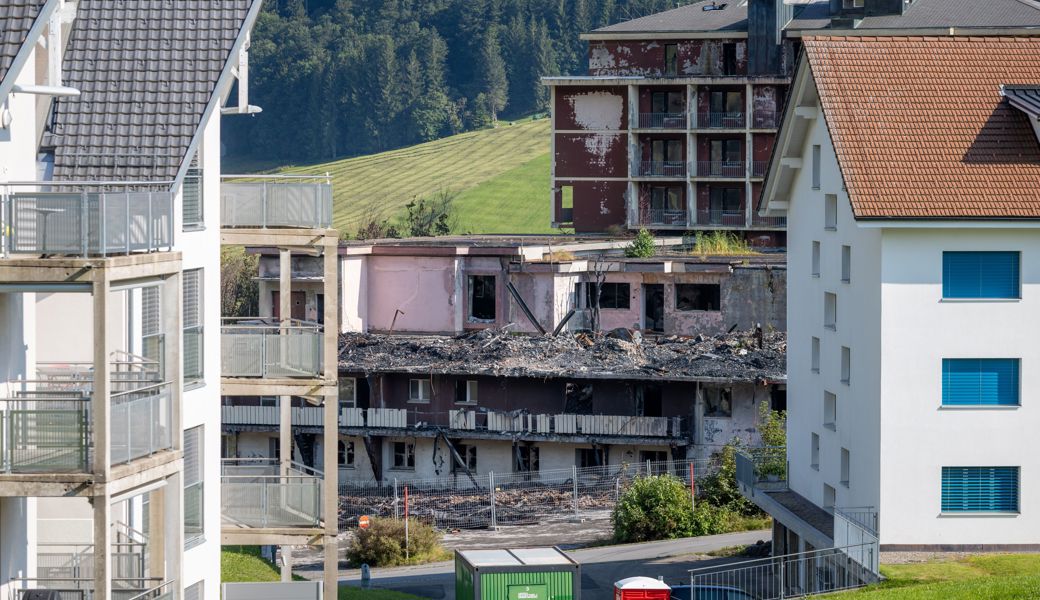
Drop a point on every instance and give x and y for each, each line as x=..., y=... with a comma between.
x=516, y=574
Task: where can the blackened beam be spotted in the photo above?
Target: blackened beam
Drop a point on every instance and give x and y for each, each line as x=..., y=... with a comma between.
x=523, y=306
x=458, y=459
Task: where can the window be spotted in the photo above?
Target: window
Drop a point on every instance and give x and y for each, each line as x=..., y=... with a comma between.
x=814, y=456
x=845, y=466
x=725, y=205
x=829, y=496
x=191, y=196
x=577, y=398
x=979, y=489
x=816, y=259
x=666, y=205
x=152, y=339
x=697, y=296
x=726, y=102
x=816, y=159
x=726, y=158
x=404, y=456
x=846, y=4
x=830, y=212
x=846, y=264
x=345, y=454
x=666, y=151
x=718, y=402
x=193, y=480
x=482, y=297
x=566, y=203
x=830, y=411
x=980, y=382
x=420, y=390
x=468, y=454
x=589, y=457
x=466, y=391
x=525, y=459
x=611, y=295
x=347, y=392
x=192, y=310
x=671, y=60
x=830, y=310
x=981, y=275
x=816, y=355
x=729, y=58
x=846, y=365
x=667, y=103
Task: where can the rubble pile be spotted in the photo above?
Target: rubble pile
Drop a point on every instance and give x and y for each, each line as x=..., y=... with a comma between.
x=738, y=356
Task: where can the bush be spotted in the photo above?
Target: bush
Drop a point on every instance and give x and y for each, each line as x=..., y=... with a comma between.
x=382, y=544
x=654, y=508
x=641, y=247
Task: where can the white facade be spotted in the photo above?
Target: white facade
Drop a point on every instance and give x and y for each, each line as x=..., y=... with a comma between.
x=893, y=329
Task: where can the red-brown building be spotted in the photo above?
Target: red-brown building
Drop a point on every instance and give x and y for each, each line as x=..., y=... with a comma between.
x=674, y=123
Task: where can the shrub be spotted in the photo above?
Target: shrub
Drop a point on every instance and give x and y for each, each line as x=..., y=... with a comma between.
x=653, y=508
x=721, y=243
x=642, y=246
x=382, y=544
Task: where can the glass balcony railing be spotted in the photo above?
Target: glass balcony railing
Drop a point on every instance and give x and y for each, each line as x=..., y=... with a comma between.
x=289, y=201
x=256, y=493
x=265, y=348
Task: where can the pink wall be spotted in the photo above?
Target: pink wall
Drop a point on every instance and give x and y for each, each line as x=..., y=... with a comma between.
x=423, y=288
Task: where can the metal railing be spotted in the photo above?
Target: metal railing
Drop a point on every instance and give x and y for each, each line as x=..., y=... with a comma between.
x=127, y=561
x=675, y=120
x=45, y=433
x=261, y=201
x=657, y=168
x=791, y=575
x=80, y=222
x=726, y=218
x=773, y=222
x=459, y=501
x=306, y=416
x=765, y=119
x=141, y=422
x=82, y=588
x=759, y=168
x=265, y=348
x=721, y=168
x=664, y=216
x=763, y=468
x=715, y=120
x=254, y=493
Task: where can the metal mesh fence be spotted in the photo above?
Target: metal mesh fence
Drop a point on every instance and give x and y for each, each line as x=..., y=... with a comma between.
x=517, y=498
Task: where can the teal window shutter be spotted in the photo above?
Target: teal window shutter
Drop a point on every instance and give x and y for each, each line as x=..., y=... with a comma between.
x=980, y=381
x=980, y=489
x=981, y=275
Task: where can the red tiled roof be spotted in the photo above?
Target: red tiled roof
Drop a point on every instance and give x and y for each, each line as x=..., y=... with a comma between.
x=920, y=127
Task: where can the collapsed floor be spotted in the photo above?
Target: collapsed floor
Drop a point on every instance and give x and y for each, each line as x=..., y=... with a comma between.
x=738, y=356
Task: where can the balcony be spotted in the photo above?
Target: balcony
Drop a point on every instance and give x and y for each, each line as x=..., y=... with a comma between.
x=46, y=424
x=567, y=424
x=733, y=169
x=723, y=218
x=255, y=494
x=765, y=119
x=82, y=588
x=662, y=120
x=769, y=222
x=656, y=168
x=663, y=217
x=287, y=201
x=86, y=224
x=759, y=168
x=264, y=348
x=763, y=468
x=720, y=120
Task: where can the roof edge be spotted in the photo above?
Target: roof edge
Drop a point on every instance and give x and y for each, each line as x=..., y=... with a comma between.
x=26, y=48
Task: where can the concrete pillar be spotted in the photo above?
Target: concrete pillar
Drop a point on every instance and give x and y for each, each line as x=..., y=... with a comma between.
x=330, y=443
x=171, y=316
x=748, y=201
x=691, y=155
x=285, y=433
x=287, y=563
x=156, y=524
x=100, y=402
x=173, y=529
x=102, y=545
x=285, y=285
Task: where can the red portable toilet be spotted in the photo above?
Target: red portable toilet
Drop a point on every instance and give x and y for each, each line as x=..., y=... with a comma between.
x=641, y=588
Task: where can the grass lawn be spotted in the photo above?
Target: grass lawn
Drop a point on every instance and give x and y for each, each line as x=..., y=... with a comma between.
x=243, y=564
x=379, y=185
x=985, y=577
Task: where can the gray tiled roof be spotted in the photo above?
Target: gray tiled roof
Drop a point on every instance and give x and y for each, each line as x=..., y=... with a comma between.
x=146, y=70
x=1025, y=98
x=815, y=14
x=16, y=18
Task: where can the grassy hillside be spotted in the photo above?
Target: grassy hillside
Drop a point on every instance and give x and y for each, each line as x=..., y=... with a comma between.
x=502, y=176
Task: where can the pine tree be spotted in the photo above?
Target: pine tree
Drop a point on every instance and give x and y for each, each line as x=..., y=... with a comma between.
x=493, y=75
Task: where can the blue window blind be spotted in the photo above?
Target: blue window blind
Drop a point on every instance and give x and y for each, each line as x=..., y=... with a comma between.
x=980, y=275
x=980, y=489
x=980, y=381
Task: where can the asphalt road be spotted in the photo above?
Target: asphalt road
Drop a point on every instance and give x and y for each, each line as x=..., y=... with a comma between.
x=601, y=566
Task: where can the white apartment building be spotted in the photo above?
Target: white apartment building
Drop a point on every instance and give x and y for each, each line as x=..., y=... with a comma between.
x=909, y=170
x=109, y=293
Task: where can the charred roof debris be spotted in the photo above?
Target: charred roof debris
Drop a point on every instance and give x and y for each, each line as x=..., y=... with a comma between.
x=620, y=354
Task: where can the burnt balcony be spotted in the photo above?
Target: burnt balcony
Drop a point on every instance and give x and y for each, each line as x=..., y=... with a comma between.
x=262, y=493
x=111, y=220
x=765, y=119
x=268, y=348
x=759, y=168
x=658, y=168
x=663, y=217
x=725, y=218
x=733, y=169
x=676, y=120
x=275, y=201
x=566, y=424
x=720, y=120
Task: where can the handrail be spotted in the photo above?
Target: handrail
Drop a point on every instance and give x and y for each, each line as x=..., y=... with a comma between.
x=154, y=592
x=268, y=323
x=85, y=183
x=161, y=384
x=276, y=176
x=771, y=559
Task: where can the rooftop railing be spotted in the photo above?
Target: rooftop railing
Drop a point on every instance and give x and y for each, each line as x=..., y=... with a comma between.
x=664, y=217
x=264, y=348
x=86, y=218
x=262, y=201
x=255, y=493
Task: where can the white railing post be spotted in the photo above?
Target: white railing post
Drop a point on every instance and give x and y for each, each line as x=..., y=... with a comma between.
x=397, y=515
x=574, y=479
x=491, y=490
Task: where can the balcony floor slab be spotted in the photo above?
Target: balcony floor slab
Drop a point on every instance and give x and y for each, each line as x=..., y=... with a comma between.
x=71, y=270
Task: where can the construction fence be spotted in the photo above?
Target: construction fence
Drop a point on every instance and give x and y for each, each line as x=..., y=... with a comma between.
x=500, y=499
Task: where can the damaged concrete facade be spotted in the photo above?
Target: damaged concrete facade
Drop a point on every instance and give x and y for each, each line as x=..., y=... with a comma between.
x=429, y=365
